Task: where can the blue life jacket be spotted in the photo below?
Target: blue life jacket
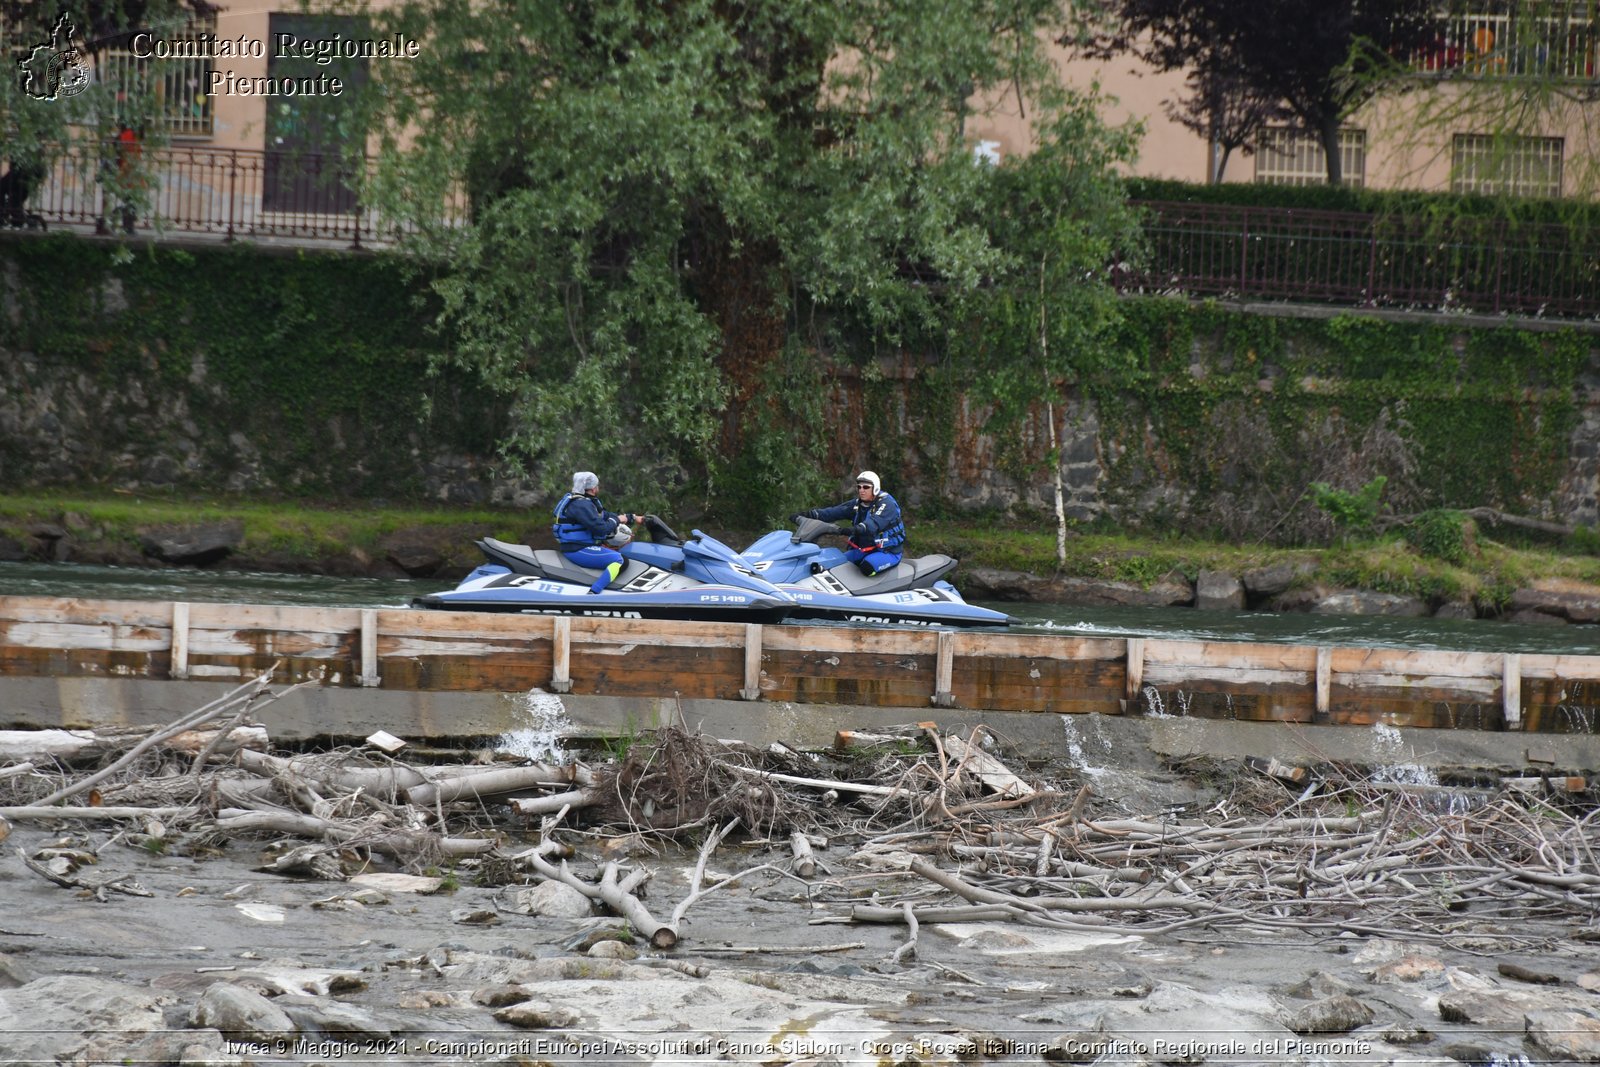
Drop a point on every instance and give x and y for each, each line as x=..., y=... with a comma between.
x=570, y=534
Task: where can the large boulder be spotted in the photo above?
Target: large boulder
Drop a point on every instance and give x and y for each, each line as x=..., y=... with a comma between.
x=1564, y=598
x=53, y=1019
x=194, y=546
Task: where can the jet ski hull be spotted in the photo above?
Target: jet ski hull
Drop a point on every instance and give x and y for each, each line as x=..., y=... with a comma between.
x=493, y=588
x=938, y=605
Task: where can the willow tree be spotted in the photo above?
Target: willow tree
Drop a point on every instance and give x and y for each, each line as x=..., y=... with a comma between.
x=663, y=199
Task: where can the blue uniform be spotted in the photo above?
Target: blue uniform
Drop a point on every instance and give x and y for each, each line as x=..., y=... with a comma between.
x=582, y=524
x=877, y=536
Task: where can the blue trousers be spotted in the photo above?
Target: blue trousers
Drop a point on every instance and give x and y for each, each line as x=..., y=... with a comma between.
x=607, y=560
x=877, y=559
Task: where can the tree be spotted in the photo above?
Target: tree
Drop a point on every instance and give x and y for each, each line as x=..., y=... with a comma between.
x=1227, y=111
x=1315, y=56
x=1049, y=317
x=671, y=205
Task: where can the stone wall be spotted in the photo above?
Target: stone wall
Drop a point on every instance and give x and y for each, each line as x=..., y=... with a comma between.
x=234, y=372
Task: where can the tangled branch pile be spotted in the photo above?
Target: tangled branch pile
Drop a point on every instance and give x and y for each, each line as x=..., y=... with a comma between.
x=935, y=825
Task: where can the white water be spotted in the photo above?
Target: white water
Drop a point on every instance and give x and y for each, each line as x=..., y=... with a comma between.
x=547, y=723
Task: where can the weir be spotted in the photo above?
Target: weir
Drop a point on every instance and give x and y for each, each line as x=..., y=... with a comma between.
x=86, y=663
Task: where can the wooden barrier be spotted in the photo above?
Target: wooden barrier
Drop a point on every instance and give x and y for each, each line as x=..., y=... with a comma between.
x=404, y=650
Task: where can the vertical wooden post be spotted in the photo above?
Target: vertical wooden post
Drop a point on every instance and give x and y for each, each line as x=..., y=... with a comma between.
x=561, y=656
x=180, y=641
x=369, y=647
x=1511, y=690
x=1135, y=671
x=752, y=662
x=943, y=669
x=1324, y=684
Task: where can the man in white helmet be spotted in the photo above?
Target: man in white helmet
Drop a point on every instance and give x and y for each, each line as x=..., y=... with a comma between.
x=585, y=530
x=877, y=533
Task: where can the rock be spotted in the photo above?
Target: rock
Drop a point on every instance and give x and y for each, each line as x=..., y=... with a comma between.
x=12, y=972
x=474, y=916
x=1366, y=602
x=195, y=546
x=1218, y=591
x=1408, y=969
x=1168, y=592
x=613, y=950
x=52, y=1019
x=1089, y=1047
x=12, y=550
x=1499, y=1009
x=414, y=551
x=1276, y=578
x=314, y=1015
x=1568, y=1036
x=394, y=882
x=498, y=996
x=1338, y=1014
x=1529, y=617
x=537, y=1015
x=1564, y=598
x=555, y=900
x=240, y=1013
x=1456, y=610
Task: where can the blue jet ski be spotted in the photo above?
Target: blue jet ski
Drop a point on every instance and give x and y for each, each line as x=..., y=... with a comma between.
x=699, y=580
x=825, y=585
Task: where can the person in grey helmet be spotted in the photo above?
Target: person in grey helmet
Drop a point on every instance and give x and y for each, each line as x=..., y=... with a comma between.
x=586, y=531
x=877, y=532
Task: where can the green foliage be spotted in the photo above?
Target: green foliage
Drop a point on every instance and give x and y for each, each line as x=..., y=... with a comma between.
x=321, y=360
x=1441, y=533
x=664, y=197
x=1353, y=512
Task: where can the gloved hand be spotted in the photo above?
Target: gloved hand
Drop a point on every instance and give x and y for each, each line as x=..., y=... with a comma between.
x=859, y=535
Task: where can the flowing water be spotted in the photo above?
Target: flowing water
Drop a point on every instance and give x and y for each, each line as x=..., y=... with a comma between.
x=1467, y=635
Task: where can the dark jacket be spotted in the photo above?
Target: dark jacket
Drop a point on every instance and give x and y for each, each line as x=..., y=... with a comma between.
x=582, y=520
x=878, y=519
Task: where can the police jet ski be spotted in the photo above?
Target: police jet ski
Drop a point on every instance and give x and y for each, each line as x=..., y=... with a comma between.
x=825, y=585
x=700, y=580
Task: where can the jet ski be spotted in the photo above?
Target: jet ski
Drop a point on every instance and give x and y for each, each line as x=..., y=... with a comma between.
x=700, y=580
x=825, y=585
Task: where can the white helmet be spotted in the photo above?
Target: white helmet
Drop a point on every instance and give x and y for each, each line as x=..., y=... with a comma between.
x=583, y=481
x=872, y=477
x=620, y=536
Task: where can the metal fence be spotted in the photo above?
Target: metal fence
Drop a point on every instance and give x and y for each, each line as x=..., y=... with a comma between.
x=1464, y=264
x=227, y=193
x=1228, y=250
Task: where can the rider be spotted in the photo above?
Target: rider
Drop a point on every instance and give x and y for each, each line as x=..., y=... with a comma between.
x=877, y=534
x=585, y=530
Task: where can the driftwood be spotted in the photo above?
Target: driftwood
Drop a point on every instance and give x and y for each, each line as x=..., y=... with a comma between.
x=400, y=843
x=617, y=895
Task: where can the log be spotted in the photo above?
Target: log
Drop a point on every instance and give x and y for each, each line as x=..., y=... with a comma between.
x=63, y=745
x=402, y=844
x=35, y=811
x=491, y=782
x=995, y=775
x=805, y=864
x=618, y=896
x=193, y=742
x=820, y=783
x=576, y=798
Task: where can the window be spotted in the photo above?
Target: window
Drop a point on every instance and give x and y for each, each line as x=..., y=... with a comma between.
x=178, y=77
x=1287, y=156
x=1552, y=38
x=1520, y=166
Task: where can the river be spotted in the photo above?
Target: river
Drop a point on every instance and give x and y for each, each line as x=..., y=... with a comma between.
x=1471, y=635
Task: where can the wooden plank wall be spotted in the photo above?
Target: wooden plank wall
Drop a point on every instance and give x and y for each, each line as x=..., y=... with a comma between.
x=467, y=651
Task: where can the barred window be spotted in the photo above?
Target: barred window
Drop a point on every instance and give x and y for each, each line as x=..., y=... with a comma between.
x=178, y=82
x=1518, y=166
x=1288, y=156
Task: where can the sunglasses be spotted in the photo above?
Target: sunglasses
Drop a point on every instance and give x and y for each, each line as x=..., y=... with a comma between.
x=863, y=485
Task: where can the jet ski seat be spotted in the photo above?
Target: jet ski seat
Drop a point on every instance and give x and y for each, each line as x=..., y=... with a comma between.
x=907, y=574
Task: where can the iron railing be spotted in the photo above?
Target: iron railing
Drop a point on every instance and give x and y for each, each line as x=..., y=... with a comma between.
x=1560, y=41
x=1464, y=264
x=229, y=193
x=1226, y=250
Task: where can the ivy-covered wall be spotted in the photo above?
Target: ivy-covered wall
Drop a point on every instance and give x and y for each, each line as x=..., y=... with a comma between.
x=242, y=369
x=229, y=368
